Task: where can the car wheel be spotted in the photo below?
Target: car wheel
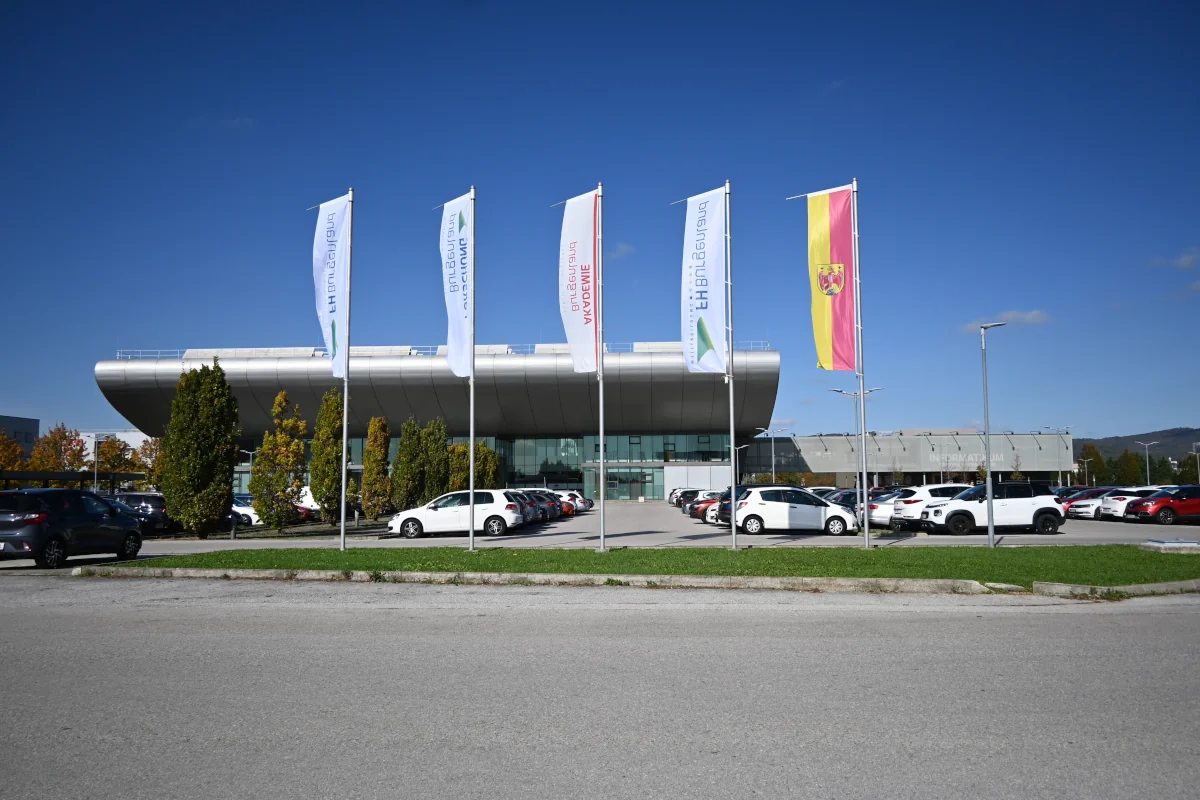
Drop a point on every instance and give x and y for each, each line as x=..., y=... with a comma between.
x=52, y=555
x=410, y=529
x=896, y=525
x=1165, y=517
x=959, y=525
x=1097, y=515
x=753, y=526
x=836, y=526
x=495, y=526
x=245, y=520
x=1046, y=524
x=130, y=547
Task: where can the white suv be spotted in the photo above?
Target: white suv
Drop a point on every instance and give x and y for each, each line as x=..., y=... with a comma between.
x=909, y=503
x=1015, y=505
x=790, y=509
x=495, y=512
x=1113, y=504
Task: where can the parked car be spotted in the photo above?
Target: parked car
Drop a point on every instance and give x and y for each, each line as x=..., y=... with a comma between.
x=880, y=510
x=686, y=496
x=581, y=502
x=547, y=502
x=700, y=509
x=147, y=523
x=710, y=513
x=245, y=512
x=821, y=491
x=911, y=501
x=1084, y=494
x=1113, y=503
x=50, y=525
x=527, y=506
x=689, y=508
x=1089, y=508
x=723, y=506
x=153, y=504
x=1015, y=505
x=846, y=498
x=495, y=513
x=790, y=509
x=1167, y=506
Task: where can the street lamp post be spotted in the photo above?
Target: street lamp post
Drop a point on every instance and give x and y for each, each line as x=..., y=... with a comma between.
x=1147, y=445
x=770, y=431
x=863, y=493
x=1196, y=453
x=96, y=440
x=1060, y=432
x=987, y=429
x=1085, y=461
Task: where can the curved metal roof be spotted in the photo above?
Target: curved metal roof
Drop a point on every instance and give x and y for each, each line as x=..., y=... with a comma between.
x=527, y=395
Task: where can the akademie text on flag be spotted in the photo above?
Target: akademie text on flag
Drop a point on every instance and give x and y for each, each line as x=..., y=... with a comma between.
x=831, y=271
x=331, y=252
x=458, y=253
x=703, y=289
x=577, y=294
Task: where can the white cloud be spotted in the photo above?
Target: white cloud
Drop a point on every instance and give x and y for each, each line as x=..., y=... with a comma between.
x=620, y=250
x=1034, y=317
x=1188, y=259
x=833, y=86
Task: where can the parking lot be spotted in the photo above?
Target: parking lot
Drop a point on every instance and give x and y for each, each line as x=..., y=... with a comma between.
x=657, y=524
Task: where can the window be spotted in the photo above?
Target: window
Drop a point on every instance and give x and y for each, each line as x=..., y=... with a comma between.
x=772, y=496
x=95, y=506
x=451, y=500
x=802, y=498
x=905, y=494
x=946, y=491
x=1017, y=491
x=701, y=440
x=483, y=498
x=635, y=440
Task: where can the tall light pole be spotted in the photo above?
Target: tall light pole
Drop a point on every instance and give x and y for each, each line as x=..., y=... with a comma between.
x=1196, y=453
x=863, y=492
x=1060, y=432
x=1147, y=445
x=96, y=440
x=987, y=430
x=769, y=431
x=1085, y=463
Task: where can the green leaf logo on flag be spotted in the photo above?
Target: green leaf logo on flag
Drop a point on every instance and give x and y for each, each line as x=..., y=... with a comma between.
x=704, y=342
x=333, y=332
x=462, y=222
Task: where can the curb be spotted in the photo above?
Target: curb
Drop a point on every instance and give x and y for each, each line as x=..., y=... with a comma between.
x=1076, y=589
x=1171, y=547
x=882, y=585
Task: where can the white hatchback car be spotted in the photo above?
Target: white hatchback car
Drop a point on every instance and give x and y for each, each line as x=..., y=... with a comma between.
x=759, y=510
x=881, y=510
x=909, y=503
x=246, y=513
x=1113, y=504
x=495, y=513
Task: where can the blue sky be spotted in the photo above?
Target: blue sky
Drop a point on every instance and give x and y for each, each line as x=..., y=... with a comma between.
x=1029, y=161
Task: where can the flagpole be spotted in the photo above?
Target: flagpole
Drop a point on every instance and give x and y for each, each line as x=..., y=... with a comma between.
x=862, y=394
x=471, y=382
x=346, y=376
x=733, y=476
x=603, y=488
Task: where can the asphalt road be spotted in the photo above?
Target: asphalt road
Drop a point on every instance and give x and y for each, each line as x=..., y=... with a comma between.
x=211, y=689
x=659, y=525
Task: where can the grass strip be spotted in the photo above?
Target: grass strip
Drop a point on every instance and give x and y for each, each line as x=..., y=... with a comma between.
x=1102, y=565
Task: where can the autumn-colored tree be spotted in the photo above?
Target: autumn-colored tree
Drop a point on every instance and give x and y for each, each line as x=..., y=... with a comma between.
x=12, y=455
x=436, y=460
x=115, y=456
x=487, y=465
x=408, y=471
x=375, y=489
x=1130, y=470
x=1016, y=475
x=981, y=473
x=197, y=454
x=149, y=462
x=278, y=473
x=59, y=450
x=325, y=466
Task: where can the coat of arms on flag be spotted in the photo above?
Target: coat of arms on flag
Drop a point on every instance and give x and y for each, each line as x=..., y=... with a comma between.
x=831, y=278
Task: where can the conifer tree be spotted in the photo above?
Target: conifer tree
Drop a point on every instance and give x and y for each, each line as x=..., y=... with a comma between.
x=278, y=473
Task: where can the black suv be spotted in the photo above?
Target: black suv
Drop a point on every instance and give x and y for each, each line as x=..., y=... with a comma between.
x=48, y=525
x=154, y=506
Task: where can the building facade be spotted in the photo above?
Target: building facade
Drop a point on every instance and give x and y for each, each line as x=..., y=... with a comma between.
x=22, y=430
x=540, y=416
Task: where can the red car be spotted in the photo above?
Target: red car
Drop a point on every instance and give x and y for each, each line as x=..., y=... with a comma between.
x=1167, y=506
x=1086, y=494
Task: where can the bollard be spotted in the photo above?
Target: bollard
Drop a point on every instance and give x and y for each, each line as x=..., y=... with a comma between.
x=356, y=517
x=233, y=526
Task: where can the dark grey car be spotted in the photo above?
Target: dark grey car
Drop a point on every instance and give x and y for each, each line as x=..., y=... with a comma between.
x=48, y=525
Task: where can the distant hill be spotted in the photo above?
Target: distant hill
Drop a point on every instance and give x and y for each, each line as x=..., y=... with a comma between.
x=1174, y=442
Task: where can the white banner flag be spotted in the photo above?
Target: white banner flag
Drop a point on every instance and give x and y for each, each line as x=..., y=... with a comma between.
x=458, y=254
x=703, y=296
x=331, y=252
x=577, y=292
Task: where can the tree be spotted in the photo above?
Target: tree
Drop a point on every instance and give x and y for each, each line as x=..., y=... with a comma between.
x=1162, y=472
x=59, y=450
x=408, y=472
x=12, y=455
x=1187, y=470
x=325, y=467
x=436, y=458
x=150, y=463
x=1130, y=470
x=375, y=488
x=981, y=473
x=199, y=450
x=1097, y=467
x=1016, y=473
x=487, y=465
x=278, y=473
x=115, y=456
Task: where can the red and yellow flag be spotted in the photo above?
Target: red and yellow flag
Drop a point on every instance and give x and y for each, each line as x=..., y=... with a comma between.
x=831, y=272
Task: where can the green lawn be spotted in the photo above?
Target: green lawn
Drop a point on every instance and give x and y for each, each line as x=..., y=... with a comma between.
x=1109, y=565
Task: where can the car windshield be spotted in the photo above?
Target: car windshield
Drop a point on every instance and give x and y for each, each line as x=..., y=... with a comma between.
x=888, y=496
x=1079, y=495
x=974, y=493
x=1164, y=493
x=120, y=506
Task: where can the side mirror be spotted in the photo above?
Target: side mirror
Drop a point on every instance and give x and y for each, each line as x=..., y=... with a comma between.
x=980, y=500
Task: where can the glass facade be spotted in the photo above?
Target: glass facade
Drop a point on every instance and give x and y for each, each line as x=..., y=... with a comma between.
x=570, y=463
